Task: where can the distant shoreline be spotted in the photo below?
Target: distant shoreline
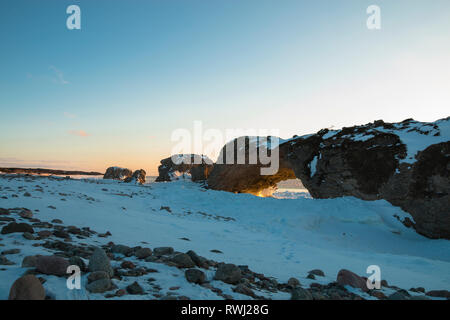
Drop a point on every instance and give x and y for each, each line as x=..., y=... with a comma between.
x=48, y=171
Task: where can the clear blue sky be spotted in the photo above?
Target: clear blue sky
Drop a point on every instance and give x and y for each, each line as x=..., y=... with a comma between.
x=112, y=92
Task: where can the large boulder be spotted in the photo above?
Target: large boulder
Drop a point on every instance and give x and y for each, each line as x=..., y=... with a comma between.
x=14, y=227
x=117, y=173
x=27, y=287
x=99, y=261
x=195, y=276
x=100, y=285
x=405, y=163
x=243, y=172
x=52, y=265
x=346, y=277
x=192, y=166
x=228, y=273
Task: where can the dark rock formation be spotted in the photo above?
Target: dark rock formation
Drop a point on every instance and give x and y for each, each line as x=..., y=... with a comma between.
x=193, y=165
x=52, y=265
x=137, y=177
x=246, y=177
x=405, y=163
x=117, y=173
x=346, y=277
x=27, y=287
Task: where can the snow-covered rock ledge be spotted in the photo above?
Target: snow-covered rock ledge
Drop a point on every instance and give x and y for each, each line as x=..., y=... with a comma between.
x=405, y=163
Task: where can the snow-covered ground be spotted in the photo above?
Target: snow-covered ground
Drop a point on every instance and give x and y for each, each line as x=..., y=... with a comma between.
x=279, y=237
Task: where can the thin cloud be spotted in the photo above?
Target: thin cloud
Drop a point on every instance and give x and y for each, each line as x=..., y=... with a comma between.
x=79, y=133
x=59, y=75
x=69, y=115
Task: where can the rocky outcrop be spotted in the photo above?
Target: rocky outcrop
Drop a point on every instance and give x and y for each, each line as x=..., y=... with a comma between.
x=247, y=177
x=126, y=175
x=137, y=177
x=382, y=161
x=191, y=166
x=117, y=173
x=405, y=163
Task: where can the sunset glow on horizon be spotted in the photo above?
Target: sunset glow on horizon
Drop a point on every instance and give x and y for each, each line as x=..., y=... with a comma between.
x=112, y=93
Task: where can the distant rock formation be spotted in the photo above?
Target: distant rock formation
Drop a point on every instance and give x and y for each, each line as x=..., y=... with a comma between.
x=406, y=163
x=126, y=175
x=247, y=178
x=137, y=177
x=191, y=166
x=117, y=173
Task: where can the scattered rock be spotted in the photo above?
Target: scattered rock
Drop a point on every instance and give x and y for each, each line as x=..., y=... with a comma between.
x=293, y=282
x=97, y=275
x=11, y=251
x=29, y=262
x=228, y=273
x=77, y=261
x=143, y=253
x=243, y=289
x=301, y=294
x=378, y=294
x=121, y=249
x=44, y=234
x=439, y=293
x=7, y=219
x=198, y=260
x=26, y=213
x=14, y=227
x=127, y=265
x=182, y=260
x=399, y=295
x=317, y=272
x=346, y=277
x=52, y=265
x=61, y=234
x=27, y=287
x=28, y=236
x=57, y=221
x=5, y=262
x=162, y=251
x=99, y=286
x=120, y=293
x=135, y=288
x=99, y=261
x=195, y=276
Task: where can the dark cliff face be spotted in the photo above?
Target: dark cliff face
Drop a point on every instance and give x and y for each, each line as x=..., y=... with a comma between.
x=197, y=166
x=374, y=161
x=428, y=192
